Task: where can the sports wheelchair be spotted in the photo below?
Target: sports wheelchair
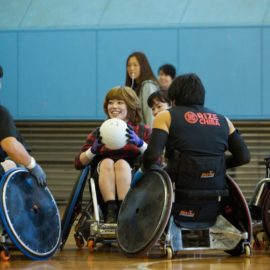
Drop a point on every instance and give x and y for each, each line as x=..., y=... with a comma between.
x=29, y=217
x=260, y=210
x=90, y=227
x=147, y=223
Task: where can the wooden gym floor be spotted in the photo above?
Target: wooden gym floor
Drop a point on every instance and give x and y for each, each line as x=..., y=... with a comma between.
x=109, y=257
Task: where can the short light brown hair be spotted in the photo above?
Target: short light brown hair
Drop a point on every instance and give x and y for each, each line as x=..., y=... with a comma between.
x=131, y=99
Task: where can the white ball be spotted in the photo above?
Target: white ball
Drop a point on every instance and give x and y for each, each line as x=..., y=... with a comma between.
x=113, y=133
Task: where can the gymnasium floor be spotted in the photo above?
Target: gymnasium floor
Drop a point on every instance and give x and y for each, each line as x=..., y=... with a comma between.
x=110, y=258
x=105, y=257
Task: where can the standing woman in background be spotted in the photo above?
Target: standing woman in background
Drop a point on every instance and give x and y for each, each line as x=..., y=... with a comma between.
x=140, y=77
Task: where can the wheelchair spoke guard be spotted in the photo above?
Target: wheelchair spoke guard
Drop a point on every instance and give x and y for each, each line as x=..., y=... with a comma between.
x=144, y=213
x=29, y=215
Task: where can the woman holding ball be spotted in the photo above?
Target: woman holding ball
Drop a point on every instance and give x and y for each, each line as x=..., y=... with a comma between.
x=112, y=168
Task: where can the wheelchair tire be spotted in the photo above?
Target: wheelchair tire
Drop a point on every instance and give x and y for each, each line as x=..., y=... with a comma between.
x=144, y=213
x=266, y=214
x=33, y=221
x=74, y=206
x=241, y=219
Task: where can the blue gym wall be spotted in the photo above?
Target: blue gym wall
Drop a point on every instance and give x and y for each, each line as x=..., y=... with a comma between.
x=61, y=56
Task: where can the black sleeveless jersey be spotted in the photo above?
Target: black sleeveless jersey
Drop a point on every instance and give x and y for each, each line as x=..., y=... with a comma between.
x=198, y=130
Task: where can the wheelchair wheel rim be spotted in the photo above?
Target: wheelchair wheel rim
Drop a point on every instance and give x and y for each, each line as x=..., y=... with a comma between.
x=29, y=215
x=139, y=227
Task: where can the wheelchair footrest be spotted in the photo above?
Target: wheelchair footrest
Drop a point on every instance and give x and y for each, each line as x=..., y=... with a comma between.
x=103, y=230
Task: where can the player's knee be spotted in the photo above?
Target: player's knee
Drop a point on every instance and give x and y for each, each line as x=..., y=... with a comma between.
x=107, y=165
x=121, y=164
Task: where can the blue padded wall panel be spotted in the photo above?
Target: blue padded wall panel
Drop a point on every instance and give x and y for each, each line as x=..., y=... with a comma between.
x=12, y=13
x=143, y=13
x=8, y=60
x=229, y=12
x=229, y=62
x=114, y=46
x=57, y=75
x=267, y=16
x=64, y=13
x=266, y=72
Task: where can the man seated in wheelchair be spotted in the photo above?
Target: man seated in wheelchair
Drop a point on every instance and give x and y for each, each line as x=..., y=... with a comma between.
x=14, y=151
x=195, y=139
x=13, y=148
x=112, y=169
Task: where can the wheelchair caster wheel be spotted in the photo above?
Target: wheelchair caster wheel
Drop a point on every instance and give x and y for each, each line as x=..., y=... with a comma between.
x=79, y=241
x=91, y=245
x=257, y=244
x=247, y=250
x=5, y=254
x=169, y=253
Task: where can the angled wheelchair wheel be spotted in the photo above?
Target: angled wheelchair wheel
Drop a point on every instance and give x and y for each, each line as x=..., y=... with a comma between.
x=266, y=215
x=29, y=215
x=235, y=209
x=74, y=205
x=144, y=213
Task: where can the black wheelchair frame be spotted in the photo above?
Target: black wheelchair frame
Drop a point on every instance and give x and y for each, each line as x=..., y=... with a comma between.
x=260, y=210
x=90, y=227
